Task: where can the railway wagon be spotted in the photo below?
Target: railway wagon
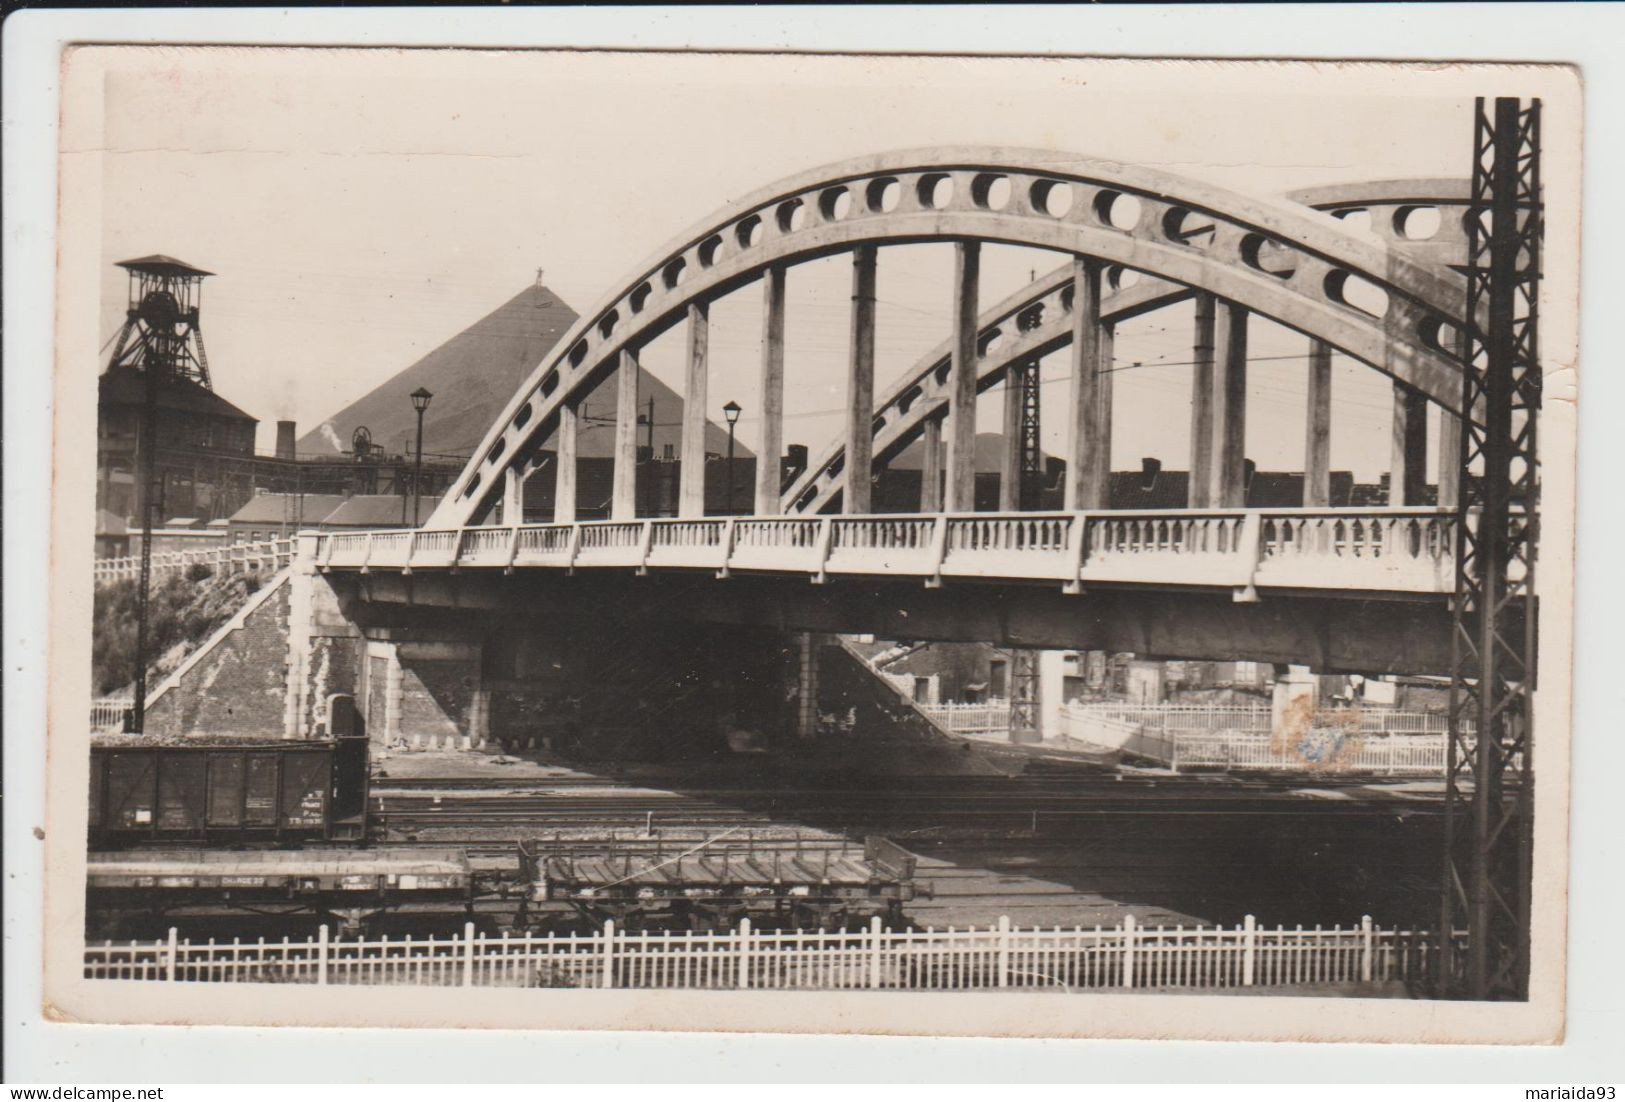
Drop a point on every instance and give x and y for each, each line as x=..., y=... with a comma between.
x=348, y=886
x=227, y=791
x=815, y=885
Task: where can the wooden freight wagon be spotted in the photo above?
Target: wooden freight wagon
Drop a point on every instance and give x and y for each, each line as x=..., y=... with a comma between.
x=227, y=791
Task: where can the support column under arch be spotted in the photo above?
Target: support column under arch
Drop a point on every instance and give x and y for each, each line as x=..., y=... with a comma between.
x=770, y=443
x=961, y=489
x=860, y=391
x=691, y=476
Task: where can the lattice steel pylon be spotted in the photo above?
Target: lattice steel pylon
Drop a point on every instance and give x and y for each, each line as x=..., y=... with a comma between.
x=1032, y=452
x=1026, y=724
x=1026, y=705
x=1489, y=774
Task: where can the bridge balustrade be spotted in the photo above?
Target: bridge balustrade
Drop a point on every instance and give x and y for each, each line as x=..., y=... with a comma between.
x=882, y=545
x=1198, y=548
x=1401, y=550
x=779, y=543
x=1393, y=550
x=688, y=543
x=545, y=545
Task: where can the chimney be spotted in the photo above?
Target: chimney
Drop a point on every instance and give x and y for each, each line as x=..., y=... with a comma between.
x=1149, y=470
x=284, y=439
x=792, y=464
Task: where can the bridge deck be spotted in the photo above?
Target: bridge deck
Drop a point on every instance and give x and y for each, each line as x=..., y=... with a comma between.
x=1380, y=550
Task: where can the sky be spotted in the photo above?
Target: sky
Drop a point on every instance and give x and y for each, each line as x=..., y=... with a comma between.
x=361, y=207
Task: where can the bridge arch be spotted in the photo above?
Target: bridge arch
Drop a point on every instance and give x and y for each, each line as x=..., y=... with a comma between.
x=1036, y=320
x=1264, y=255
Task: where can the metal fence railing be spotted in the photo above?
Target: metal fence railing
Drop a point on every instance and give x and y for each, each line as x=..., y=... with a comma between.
x=1128, y=956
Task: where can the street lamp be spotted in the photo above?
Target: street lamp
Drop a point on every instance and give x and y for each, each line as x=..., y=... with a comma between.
x=731, y=411
x=420, y=402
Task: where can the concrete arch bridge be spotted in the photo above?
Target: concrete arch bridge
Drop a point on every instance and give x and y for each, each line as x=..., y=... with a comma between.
x=1337, y=587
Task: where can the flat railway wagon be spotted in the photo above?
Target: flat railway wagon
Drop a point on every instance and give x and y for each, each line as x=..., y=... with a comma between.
x=227, y=791
x=823, y=884
x=350, y=886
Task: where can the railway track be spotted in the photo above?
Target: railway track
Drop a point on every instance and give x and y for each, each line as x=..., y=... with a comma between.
x=407, y=809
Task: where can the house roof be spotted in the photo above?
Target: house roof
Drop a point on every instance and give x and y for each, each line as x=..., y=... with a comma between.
x=377, y=511
x=127, y=386
x=287, y=508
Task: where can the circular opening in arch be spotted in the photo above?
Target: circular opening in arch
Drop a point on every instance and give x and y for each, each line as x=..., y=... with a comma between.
x=835, y=203
x=907, y=400
x=1439, y=335
x=550, y=384
x=749, y=232
x=1119, y=278
x=1117, y=210
x=473, y=484
x=1184, y=226
x=941, y=373
x=876, y=425
x=1263, y=255
x=672, y=274
x=640, y=296
x=989, y=341
x=607, y=324
x=1357, y=220
x=522, y=418
x=709, y=248
x=1052, y=197
x=1417, y=223
x=990, y=190
x=1357, y=293
x=496, y=450
x=1030, y=318
x=792, y=215
x=1068, y=295
x=883, y=194
x=936, y=190
x=578, y=353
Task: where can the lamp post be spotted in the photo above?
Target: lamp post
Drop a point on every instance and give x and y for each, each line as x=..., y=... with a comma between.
x=731, y=411
x=420, y=402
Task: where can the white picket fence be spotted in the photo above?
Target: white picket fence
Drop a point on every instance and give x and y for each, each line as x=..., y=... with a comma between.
x=1317, y=749
x=1204, y=736
x=231, y=558
x=994, y=715
x=1257, y=718
x=107, y=713
x=1126, y=957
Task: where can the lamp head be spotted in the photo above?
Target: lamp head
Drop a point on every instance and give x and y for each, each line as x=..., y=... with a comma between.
x=420, y=399
x=732, y=411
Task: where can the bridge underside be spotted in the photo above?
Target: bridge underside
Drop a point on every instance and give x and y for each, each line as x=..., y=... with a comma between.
x=1330, y=634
